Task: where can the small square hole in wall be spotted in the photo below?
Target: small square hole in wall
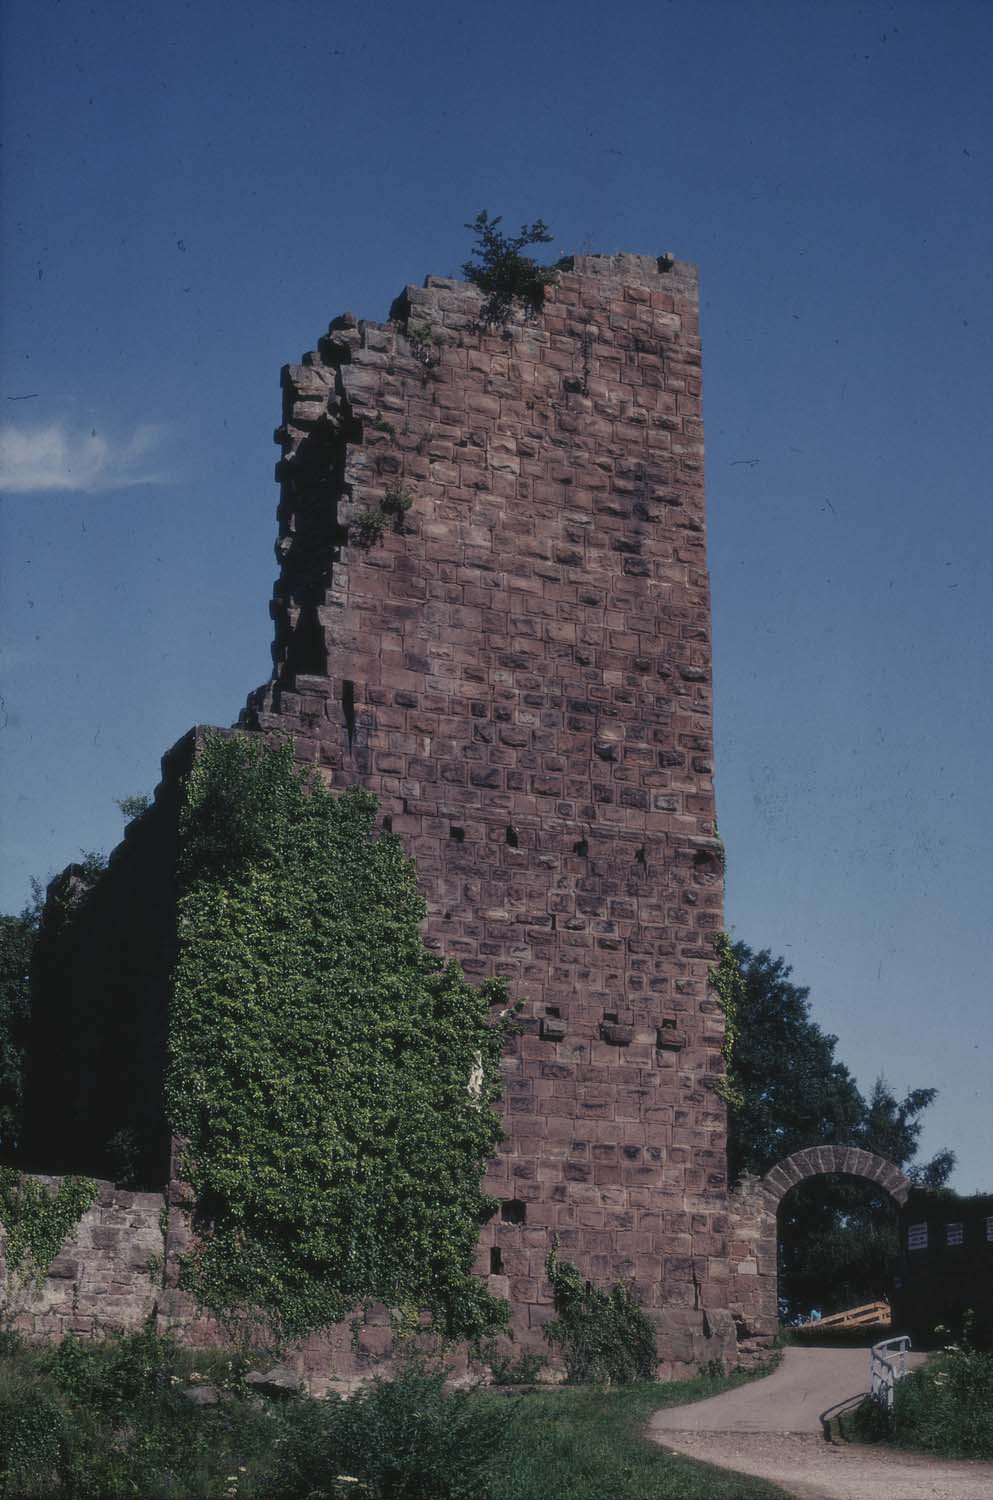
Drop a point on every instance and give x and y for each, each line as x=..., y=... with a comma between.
x=610, y=1015
x=496, y=1261
x=513, y=1211
x=552, y=1010
x=581, y=847
x=458, y=834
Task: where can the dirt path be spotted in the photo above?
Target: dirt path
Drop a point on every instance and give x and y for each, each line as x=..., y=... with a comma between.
x=772, y=1429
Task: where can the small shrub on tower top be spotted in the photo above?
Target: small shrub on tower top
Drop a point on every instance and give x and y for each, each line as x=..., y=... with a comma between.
x=320, y=1058
x=500, y=270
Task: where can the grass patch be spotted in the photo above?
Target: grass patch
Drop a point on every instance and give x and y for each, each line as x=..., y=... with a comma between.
x=89, y=1420
x=589, y=1444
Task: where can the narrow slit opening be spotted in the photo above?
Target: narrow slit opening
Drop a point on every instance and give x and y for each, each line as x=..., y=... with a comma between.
x=511, y=836
x=496, y=1261
x=348, y=709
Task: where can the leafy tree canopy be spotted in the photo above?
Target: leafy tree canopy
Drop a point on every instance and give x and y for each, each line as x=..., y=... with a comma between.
x=17, y=940
x=500, y=270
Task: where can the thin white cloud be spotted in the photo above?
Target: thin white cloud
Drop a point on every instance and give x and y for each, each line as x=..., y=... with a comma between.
x=36, y=459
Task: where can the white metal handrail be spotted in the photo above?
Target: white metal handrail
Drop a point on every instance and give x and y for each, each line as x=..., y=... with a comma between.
x=887, y=1365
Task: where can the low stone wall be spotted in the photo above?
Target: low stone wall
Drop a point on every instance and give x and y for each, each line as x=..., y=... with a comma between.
x=107, y=1276
x=119, y=1269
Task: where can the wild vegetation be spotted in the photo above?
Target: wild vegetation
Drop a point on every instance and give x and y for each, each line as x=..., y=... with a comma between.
x=498, y=267
x=138, y=1416
x=17, y=939
x=602, y=1336
x=945, y=1408
x=36, y=1222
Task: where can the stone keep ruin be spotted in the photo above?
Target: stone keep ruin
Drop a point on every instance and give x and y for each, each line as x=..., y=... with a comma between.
x=493, y=612
x=521, y=673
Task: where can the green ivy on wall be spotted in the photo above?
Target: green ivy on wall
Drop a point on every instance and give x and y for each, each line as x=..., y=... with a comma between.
x=320, y=1061
x=727, y=983
x=37, y=1223
x=603, y=1335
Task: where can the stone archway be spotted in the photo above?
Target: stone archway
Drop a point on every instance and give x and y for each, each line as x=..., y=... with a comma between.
x=753, y=1207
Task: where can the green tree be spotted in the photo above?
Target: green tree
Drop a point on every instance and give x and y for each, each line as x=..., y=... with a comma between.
x=17, y=940
x=500, y=270
x=838, y=1235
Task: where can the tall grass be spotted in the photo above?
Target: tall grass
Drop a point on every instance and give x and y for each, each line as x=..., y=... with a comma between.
x=946, y=1408
x=90, y=1421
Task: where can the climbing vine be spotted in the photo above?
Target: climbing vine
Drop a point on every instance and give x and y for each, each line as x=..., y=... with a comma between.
x=727, y=983
x=38, y=1223
x=604, y=1336
x=320, y=1059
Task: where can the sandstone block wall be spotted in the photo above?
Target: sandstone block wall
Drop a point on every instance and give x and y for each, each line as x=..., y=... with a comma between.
x=106, y=1277
x=521, y=672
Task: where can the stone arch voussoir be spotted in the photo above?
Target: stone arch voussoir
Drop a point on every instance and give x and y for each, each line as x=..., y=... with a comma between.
x=847, y=1159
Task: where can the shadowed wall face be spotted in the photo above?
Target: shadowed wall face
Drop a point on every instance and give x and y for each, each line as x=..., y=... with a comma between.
x=520, y=670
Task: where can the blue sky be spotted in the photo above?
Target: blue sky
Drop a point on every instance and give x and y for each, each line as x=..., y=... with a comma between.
x=193, y=191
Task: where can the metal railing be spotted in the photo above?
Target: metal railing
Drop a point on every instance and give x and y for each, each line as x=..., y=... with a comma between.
x=887, y=1365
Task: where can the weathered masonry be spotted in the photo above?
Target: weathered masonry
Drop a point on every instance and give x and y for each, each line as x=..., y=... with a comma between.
x=520, y=670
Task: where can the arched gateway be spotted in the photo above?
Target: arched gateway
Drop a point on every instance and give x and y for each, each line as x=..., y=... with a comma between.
x=753, y=1207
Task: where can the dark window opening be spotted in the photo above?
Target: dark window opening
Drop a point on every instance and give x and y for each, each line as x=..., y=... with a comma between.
x=308, y=653
x=610, y=1015
x=639, y=855
x=513, y=1211
x=581, y=847
x=458, y=834
x=387, y=823
x=512, y=839
x=552, y=1010
x=496, y=1261
x=348, y=709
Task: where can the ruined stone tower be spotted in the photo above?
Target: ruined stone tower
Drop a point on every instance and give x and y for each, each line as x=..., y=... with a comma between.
x=519, y=668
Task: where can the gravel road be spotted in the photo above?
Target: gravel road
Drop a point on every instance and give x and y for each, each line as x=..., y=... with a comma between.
x=771, y=1428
